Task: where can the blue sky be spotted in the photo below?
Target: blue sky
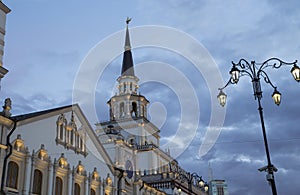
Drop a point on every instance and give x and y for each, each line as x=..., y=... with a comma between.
x=47, y=41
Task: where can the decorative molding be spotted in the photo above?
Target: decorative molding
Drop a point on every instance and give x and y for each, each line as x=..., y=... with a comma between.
x=2, y=30
x=4, y=8
x=5, y=121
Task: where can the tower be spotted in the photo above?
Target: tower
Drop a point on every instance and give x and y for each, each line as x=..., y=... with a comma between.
x=127, y=103
x=129, y=138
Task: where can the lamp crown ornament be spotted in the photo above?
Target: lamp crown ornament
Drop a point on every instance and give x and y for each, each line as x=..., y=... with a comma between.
x=256, y=71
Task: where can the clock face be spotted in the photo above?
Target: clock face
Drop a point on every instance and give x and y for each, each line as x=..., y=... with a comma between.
x=129, y=169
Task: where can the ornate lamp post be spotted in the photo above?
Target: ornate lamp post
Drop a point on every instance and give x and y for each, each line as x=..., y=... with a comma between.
x=194, y=179
x=255, y=71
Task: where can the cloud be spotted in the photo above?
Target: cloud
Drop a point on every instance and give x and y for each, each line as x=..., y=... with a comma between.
x=43, y=69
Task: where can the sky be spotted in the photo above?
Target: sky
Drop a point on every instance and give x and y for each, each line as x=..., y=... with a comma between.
x=48, y=43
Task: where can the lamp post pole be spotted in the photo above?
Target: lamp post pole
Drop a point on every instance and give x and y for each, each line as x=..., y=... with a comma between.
x=270, y=167
x=255, y=71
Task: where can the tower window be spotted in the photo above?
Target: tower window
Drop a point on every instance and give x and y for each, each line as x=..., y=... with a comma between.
x=121, y=109
x=12, y=175
x=142, y=111
x=134, y=109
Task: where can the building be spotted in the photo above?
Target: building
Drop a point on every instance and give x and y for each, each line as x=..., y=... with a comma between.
x=3, y=11
x=57, y=151
x=218, y=187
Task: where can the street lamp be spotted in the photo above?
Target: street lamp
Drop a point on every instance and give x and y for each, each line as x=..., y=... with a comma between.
x=235, y=74
x=195, y=179
x=276, y=97
x=222, y=98
x=255, y=71
x=296, y=72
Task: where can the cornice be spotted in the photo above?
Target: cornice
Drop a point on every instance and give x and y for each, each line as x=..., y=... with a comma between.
x=4, y=8
x=6, y=121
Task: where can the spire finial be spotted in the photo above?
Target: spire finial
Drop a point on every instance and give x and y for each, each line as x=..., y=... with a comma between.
x=127, y=38
x=127, y=66
x=128, y=20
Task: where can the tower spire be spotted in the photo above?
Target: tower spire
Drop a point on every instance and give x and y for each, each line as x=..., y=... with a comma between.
x=127, y=38
x=127, y=102
x=127, y=65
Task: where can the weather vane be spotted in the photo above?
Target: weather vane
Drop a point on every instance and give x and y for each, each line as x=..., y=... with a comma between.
x=128, y=20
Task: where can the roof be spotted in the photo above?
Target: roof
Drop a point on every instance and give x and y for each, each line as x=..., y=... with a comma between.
x=127, y=65
x=39, y=114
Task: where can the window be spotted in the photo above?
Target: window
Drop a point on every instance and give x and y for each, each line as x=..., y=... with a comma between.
x=93, y=192
x=12, y=175
x=72, y=137
x=61, y=122
x=80, y=143
x=61, y=132
x=76, y=140
x=220, y=190
x=77, y=189
x=37, y=182
x=58, y=186
x=122, y=109
x=134, y=109
x=142, y=111
x=67, y=136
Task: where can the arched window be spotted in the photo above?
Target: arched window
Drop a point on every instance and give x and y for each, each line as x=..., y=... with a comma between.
x=58, y=186
x=72, y=137
x=93, y=192
x=68, y=136
x=61, y=132
x=142, y=110
x=134, y=109
x=61, y=122
x=77, y=189
x=121, y=109
x=37, y=182
x=12, y=175
x=81, y=144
